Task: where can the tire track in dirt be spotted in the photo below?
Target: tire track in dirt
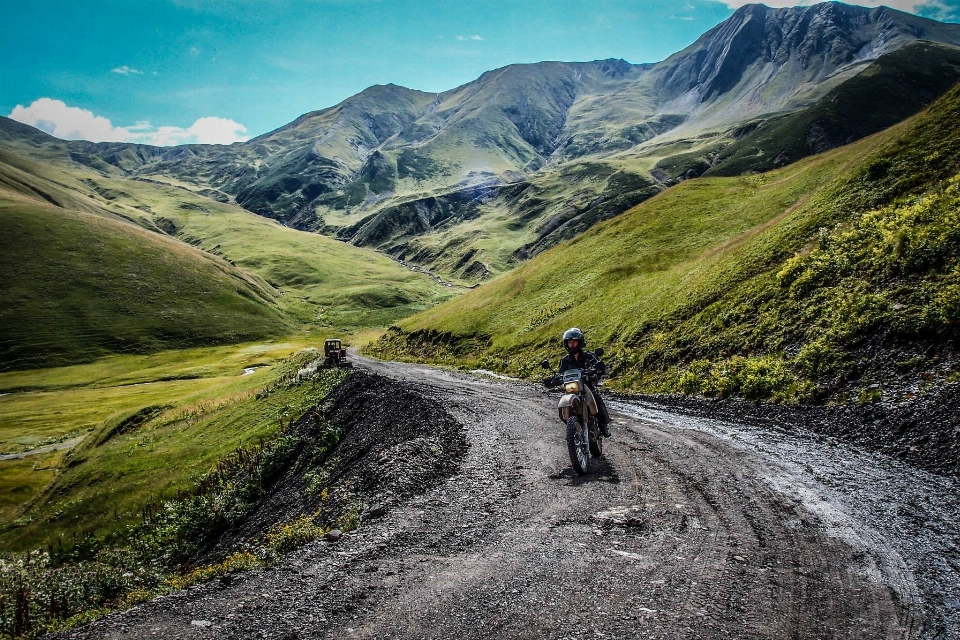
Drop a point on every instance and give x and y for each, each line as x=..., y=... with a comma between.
x=900, y=522
x=678, y=533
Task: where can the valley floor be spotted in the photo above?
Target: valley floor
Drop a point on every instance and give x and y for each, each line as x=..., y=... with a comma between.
x=688, y=528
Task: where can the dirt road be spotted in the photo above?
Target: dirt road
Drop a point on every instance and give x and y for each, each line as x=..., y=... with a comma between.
x=688, y=528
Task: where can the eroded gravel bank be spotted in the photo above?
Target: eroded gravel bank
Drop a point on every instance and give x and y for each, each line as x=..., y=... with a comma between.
x=393, y=443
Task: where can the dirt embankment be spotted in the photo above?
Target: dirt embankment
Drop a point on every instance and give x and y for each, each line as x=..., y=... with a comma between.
x=393, y=444
x=924, y=431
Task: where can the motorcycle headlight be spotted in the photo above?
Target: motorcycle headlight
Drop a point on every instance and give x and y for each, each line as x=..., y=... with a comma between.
x=572, y=387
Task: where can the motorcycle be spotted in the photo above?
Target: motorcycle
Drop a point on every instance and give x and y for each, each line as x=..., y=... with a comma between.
x=578, y=411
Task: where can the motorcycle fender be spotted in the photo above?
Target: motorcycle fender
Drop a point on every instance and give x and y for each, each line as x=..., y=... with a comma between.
x=569, y=405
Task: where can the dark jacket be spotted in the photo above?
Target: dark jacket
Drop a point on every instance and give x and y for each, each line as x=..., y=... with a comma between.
x=589, y=361
x=586, y=361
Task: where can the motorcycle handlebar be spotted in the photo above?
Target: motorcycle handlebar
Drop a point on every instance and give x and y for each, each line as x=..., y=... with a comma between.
x=552, y=381
x=592, y=375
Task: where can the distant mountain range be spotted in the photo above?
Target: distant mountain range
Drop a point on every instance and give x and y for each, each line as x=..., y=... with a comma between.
x=836, y=278
x=471, y=181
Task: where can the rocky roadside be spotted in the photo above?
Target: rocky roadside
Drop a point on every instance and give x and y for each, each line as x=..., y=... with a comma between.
x=923, y=430
x=391, y=444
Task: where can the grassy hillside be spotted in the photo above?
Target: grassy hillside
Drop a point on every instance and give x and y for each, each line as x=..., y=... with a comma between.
x=128, y=511
x=93, y=265
x=97, y=265
x=324, y=282
x=148, y=426
x=469, y=235
x=46, y=412
x=762, y=286
x=79, y=284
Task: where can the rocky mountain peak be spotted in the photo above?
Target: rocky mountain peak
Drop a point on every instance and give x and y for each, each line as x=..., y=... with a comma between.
x=615, y=68
x=808, y=44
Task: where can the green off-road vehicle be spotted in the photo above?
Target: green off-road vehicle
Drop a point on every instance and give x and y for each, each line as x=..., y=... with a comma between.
x=334, y=354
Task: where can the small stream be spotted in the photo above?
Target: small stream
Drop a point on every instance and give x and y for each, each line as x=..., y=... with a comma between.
x=57, y=446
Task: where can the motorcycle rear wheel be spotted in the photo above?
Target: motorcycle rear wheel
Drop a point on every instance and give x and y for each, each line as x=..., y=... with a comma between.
x=596, y=446
x=577, y=446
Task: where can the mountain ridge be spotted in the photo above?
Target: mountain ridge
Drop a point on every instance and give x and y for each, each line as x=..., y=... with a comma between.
x=418, y=175
x=819, y=39
x=834, y=278
x=817, y=45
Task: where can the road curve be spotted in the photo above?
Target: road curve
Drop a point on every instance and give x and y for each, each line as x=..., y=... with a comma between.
x=686, y=529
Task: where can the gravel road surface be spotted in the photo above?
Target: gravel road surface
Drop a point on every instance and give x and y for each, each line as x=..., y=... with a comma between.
x=688, y=528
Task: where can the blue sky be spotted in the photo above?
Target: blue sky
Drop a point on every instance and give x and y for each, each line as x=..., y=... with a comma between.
x=175, y=71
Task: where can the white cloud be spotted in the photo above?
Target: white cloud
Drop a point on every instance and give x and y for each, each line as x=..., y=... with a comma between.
x=73, y=123
x=126, y=71
x=469, y=38
x=927, y=7
x=212, y=130
x=69, y=123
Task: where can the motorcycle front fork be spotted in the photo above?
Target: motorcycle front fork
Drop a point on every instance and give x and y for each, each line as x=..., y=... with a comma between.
x=585, y=419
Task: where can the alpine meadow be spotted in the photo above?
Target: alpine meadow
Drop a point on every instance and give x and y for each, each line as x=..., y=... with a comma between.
x=767, y=220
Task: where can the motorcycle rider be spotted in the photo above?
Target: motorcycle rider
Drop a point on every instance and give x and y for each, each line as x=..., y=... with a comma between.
x=578, y=358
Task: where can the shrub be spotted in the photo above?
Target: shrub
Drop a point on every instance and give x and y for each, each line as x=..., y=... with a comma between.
x=751, y=378
x=288, y=536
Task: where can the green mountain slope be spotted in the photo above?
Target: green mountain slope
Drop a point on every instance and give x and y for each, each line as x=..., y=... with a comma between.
x=472, y=234
x=789, y=284
x=289, y=277
x=79, y=283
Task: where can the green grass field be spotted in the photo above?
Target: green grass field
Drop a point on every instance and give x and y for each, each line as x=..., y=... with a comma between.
x=324, y=282
x=173, y=447
x=78, y=285
x=204, y=408
x=131, y=309
x=96, y=265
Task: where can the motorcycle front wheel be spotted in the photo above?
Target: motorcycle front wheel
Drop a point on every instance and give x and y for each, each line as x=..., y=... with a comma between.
x=577, y=446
